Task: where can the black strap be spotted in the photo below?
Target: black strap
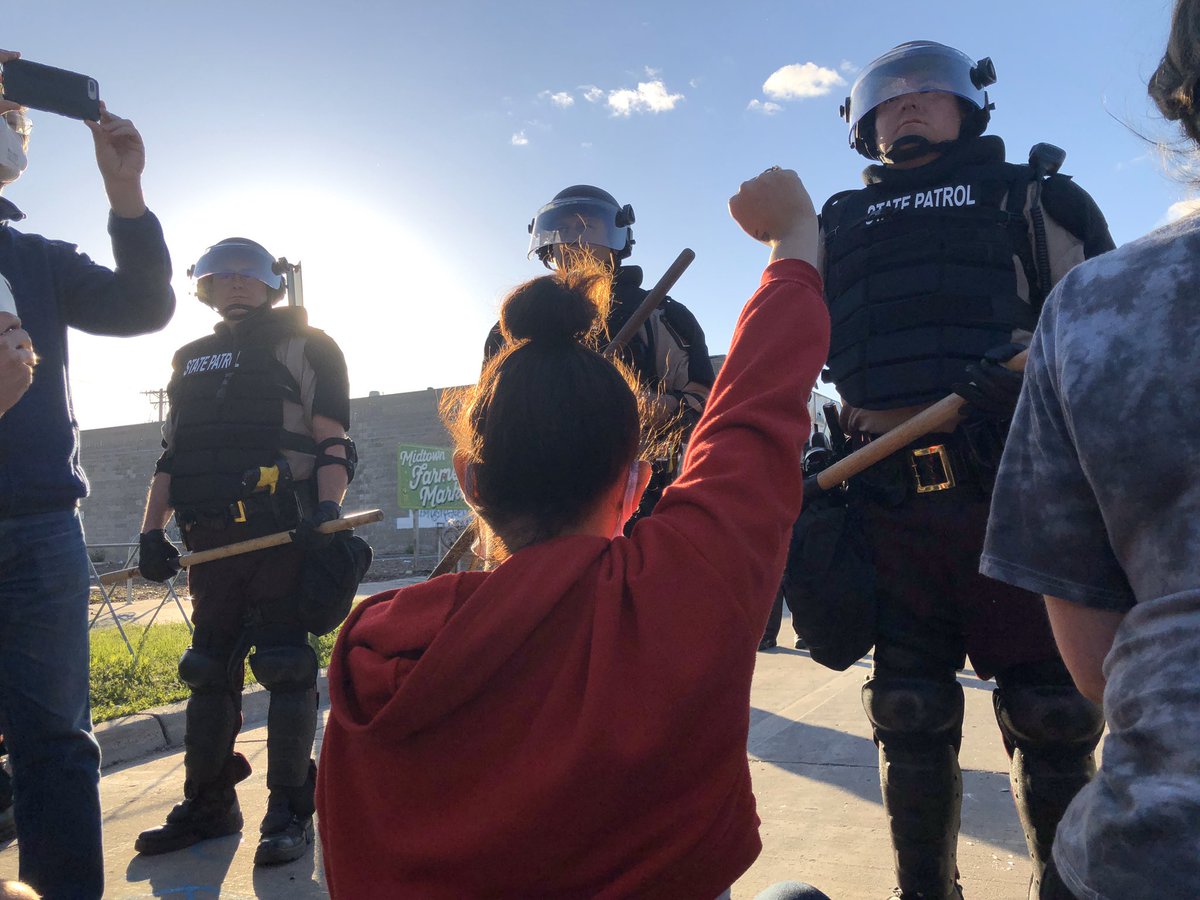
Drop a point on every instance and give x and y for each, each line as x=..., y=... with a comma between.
x=1018, y=230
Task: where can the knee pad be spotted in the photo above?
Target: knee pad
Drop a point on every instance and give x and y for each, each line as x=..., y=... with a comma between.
x=913, y=706
x=1047, y=717
x=291, y=668
x=203, y=673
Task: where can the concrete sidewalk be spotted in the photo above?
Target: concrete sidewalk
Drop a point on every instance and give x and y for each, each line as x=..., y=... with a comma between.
x=815, y=777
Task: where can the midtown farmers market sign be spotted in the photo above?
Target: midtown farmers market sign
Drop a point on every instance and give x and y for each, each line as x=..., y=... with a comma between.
x=426, y=479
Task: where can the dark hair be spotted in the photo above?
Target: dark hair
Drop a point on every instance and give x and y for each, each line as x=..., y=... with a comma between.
x=552, y=423
x=1173, y=86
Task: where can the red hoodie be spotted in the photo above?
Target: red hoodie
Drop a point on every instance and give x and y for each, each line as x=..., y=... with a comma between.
x=574, y=723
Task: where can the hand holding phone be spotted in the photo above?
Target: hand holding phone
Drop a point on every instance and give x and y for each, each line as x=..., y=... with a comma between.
x=121, y=157
x=50, y=90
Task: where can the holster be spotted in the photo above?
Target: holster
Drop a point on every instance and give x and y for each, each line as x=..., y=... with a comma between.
x=830, y=580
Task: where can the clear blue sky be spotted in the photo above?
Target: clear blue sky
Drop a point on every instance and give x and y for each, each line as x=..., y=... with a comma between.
x=399, y=149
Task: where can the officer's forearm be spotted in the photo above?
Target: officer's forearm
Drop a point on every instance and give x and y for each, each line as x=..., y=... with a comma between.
x=332, y=480
x=158, y=502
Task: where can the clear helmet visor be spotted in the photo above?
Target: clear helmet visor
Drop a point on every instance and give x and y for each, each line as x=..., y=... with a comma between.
x=577, y=221
x=245, y=259
x=919, y=67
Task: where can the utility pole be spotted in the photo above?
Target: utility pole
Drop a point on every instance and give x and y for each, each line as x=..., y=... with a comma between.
x=158, y=399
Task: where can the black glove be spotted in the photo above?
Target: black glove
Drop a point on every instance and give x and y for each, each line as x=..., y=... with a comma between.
x=158, y=560
x=992, y=390
x=306, y=534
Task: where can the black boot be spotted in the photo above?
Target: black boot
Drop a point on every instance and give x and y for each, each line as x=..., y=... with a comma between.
x=286, y=835
x=287, y=828
x=898, y=894
x=210, y=811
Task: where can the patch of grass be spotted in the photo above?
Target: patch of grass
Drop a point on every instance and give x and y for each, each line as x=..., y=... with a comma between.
x=119, y=687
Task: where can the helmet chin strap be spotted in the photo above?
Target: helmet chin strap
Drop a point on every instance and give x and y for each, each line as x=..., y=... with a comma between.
x=239, y=312
x=914, y=146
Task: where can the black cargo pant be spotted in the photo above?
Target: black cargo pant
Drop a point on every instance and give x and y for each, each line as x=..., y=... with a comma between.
x=935, y=611
x=239, y=603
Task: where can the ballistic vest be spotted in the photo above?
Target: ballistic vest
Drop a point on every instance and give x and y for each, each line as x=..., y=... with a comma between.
x=236, y=405
x=921, y=278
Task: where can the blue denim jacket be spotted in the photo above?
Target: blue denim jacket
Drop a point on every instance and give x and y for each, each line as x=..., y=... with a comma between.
x=56, y=287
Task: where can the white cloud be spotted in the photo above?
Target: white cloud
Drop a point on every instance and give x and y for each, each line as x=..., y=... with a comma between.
x=848, y=67
x=591, y=93
x=1138, y=160
x=519, y=139
x=801, y=80
x=561, y=99
x=1177, y=211
x=650, y=96
x=766, y=108
x=652, y=73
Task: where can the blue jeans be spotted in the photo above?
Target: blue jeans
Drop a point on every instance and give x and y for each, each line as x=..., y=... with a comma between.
x=45, y=712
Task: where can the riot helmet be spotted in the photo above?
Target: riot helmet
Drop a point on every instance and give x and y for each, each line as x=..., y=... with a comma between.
x=582, y=215
x=912, y=68
x=238, y=256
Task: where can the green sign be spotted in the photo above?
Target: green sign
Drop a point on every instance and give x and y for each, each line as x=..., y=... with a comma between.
x=426, y=480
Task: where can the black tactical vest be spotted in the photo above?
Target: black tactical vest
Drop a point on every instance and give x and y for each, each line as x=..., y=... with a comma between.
x=921, y=280
x=227, y=402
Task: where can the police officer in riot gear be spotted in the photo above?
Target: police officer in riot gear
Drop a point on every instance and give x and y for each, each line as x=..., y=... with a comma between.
x=934, y=274
x=668, y=353
x=255, y=443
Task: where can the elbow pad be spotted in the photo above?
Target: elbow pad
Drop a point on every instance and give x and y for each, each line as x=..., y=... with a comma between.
x=324, y=458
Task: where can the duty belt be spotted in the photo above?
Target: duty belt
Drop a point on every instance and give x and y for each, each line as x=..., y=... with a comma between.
x=239, y=512
x=932, y=464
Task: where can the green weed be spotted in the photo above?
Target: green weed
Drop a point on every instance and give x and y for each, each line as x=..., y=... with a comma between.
x=121, y=687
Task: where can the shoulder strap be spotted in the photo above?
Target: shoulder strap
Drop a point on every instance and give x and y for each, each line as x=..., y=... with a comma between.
x=1019, y=233
x=291, y=354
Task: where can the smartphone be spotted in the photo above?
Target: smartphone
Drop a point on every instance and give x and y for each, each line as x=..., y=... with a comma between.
x=51, y=90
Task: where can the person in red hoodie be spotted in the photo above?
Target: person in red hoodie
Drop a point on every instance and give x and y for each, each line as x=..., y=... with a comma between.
x=573, y=723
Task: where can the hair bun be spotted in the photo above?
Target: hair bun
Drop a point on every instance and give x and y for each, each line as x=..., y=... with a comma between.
x=559, y=308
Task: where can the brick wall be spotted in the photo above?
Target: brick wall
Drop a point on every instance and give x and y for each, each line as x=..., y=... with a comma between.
x=120, y=461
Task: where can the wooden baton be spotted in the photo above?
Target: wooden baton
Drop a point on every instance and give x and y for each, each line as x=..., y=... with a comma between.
x=651, y=302
x=935, y=417
x=259, y=543
x=623, y=337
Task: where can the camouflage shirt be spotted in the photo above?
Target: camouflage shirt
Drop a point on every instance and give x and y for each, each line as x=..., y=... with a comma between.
x=1098, y=502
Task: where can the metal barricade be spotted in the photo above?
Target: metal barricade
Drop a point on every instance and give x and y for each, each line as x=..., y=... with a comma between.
x=108, y=596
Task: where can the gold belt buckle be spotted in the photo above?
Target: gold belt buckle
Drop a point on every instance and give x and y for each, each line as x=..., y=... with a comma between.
x=938, y=450
x=240, y=518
